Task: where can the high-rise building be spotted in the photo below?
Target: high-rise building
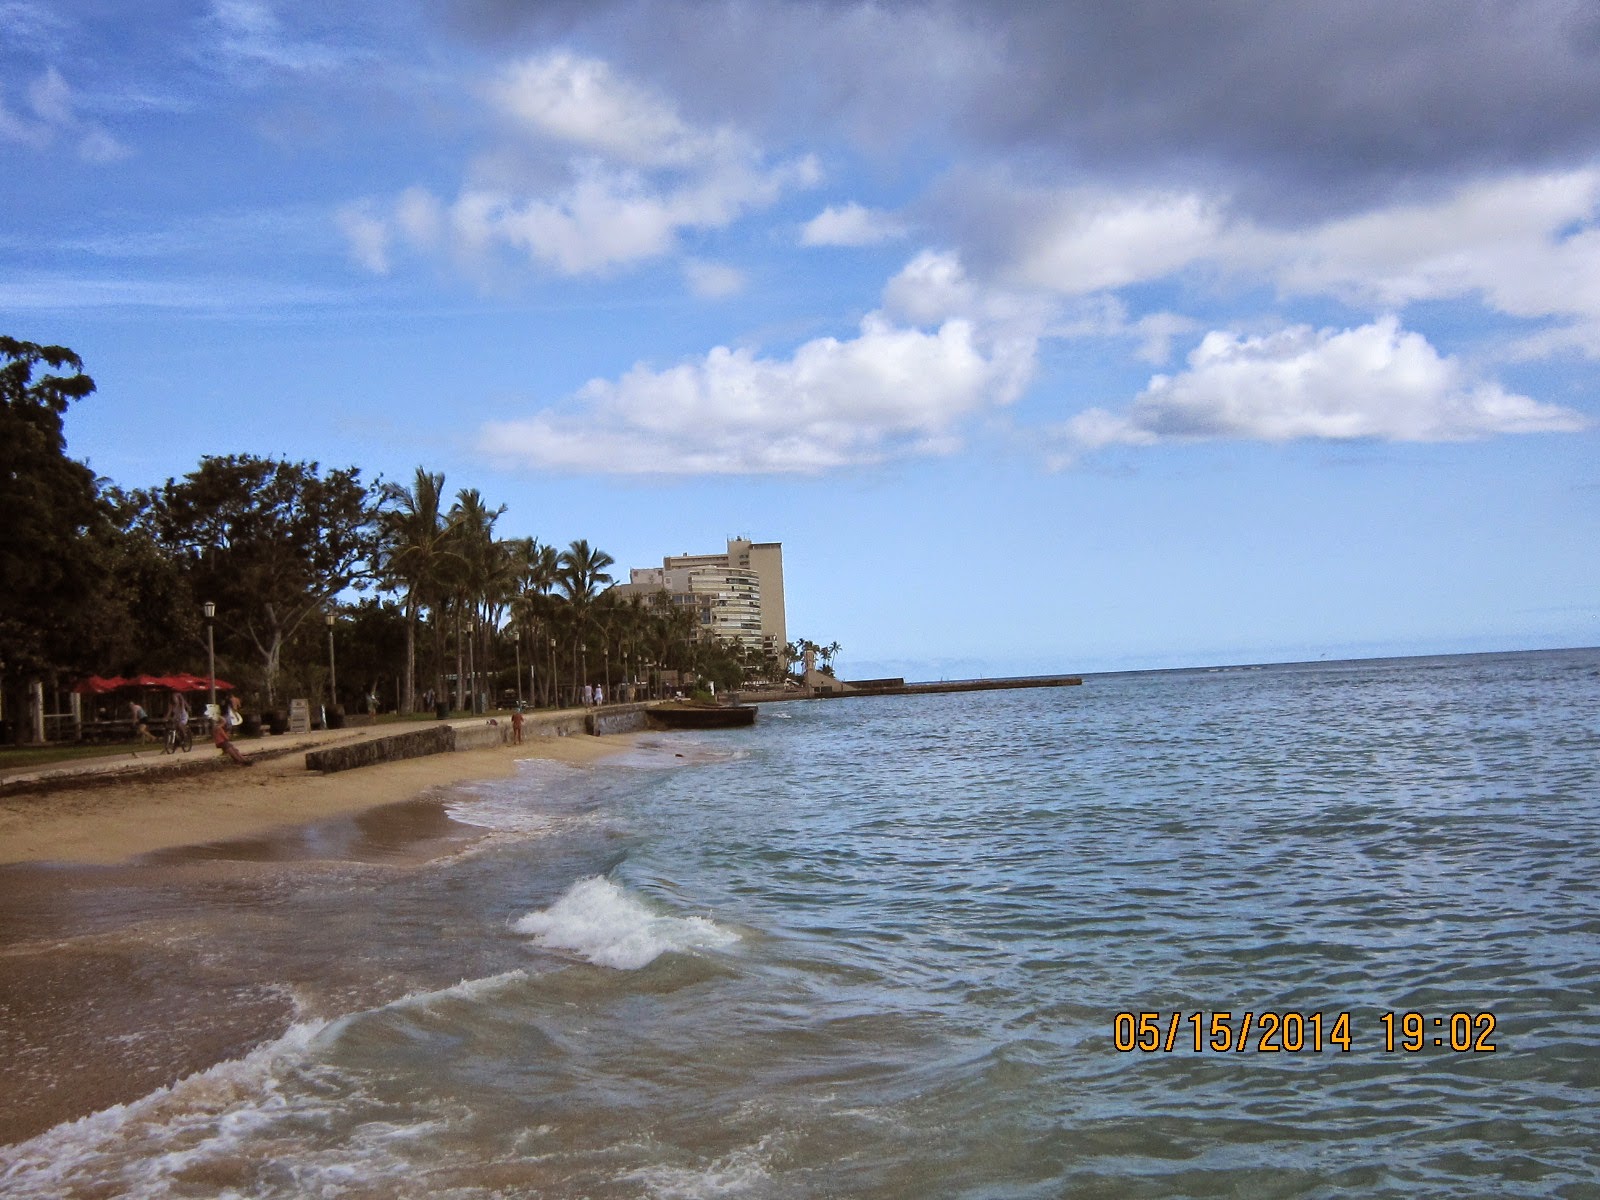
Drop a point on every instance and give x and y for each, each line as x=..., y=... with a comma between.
x=738, y=596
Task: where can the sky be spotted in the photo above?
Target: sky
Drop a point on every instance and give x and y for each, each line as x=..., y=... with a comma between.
x=1046, y=338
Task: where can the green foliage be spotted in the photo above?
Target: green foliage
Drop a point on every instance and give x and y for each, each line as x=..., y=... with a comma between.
x=270, y=543
x=57, y=610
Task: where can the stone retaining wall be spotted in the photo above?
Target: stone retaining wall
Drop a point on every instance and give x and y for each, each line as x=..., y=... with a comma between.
x=415, y=744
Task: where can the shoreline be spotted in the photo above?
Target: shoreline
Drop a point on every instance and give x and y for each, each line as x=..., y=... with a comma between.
x=147, y=930
x=105, y=823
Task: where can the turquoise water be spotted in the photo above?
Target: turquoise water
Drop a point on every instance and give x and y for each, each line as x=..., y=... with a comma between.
x=878, y=948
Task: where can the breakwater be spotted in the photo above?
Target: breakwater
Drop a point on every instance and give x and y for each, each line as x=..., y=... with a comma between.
x=840, y=689
x=874, y=688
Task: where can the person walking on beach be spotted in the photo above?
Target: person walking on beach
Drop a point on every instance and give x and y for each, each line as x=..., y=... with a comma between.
x=221, y=740
x=599, y=694
x=588, y=695
x=516, y=728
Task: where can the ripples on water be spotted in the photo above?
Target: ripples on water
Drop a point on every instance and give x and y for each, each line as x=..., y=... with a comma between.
x=876, y=948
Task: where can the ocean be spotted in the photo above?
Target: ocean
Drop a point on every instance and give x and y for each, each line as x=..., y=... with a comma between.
x=1287, y=931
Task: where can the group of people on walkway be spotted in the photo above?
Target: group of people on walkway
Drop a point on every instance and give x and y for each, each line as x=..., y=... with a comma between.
x=228, y=718
x=593, y=694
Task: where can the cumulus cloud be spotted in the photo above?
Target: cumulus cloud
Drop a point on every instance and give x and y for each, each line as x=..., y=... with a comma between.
x=639, y=176
x=1085, y=240
x=582, y=101
x=1523, y=245
x=1306, y=108
x=1376, y=381
x=891, y=391
x=850, y=225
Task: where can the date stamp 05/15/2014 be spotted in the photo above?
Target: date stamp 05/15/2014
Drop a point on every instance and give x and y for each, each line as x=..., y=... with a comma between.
x=1281, y=1032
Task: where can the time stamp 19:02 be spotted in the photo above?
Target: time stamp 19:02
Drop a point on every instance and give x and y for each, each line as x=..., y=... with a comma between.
x=1273, y=1032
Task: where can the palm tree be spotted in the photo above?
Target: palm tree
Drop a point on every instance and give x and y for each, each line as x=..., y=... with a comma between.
x=581, y=575
x=474, y=547
x=417, y=537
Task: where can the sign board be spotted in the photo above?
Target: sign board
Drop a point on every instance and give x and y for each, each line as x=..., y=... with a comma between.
x=299, y=716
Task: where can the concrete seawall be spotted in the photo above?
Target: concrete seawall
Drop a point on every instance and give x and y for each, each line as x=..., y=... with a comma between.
x=618, y=718
x=477, y=735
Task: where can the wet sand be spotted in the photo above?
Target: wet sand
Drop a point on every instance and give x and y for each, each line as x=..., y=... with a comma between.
x=108, y=824
x=152, y=930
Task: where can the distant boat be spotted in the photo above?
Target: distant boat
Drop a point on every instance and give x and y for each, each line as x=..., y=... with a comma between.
x=688, y=714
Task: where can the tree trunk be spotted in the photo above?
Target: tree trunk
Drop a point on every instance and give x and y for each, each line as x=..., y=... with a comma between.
x=408, y=693
x=461, y=678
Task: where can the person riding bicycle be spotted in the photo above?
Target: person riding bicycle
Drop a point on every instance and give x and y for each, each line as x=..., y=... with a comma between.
x=178, y=714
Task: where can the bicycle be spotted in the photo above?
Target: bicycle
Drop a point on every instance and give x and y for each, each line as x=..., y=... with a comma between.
x=179, y=737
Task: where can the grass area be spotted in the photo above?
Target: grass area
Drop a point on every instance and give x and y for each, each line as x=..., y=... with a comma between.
x=46, y=756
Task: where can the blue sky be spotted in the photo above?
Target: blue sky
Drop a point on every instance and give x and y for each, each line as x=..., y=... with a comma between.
x=1045, y=337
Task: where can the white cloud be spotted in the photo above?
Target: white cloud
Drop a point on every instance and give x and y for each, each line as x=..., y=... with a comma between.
x=249, y=33
x=1526, y=246
x=581, y=101
x=1377, y=381
x=51, y=99
x=1079, y=241
x=52, y=104
x=368, y=235
x=850, y=225
x=643, y=178
x=888, y=392
x=713, y=281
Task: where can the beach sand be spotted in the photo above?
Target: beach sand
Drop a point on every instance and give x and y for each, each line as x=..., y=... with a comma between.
x=150, y=929
x=112, y=823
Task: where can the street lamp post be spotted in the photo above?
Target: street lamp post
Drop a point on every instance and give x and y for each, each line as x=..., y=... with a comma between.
x=211, y=652
x=583, y=649
x=333, y=674
x=516, y=640
x=553, y=684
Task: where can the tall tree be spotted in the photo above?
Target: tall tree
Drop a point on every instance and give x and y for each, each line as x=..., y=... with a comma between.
x=417, y=551
x=473, y=571
x=271, y=542
x=60, y=608
x=581, y=575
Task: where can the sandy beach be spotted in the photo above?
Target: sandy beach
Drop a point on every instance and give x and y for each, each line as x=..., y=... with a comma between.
x=105, y=823
x=154, y=926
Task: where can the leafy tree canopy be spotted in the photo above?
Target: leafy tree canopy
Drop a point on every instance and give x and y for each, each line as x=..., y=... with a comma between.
x=269, y=542
x=54, y=529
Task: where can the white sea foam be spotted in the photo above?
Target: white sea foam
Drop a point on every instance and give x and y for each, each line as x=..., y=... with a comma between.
x=139, y=1148
x=611, y=927
x=267, y=1107
x=743, y=1172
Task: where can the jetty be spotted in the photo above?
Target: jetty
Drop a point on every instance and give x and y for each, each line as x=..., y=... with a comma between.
x=819, y=686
